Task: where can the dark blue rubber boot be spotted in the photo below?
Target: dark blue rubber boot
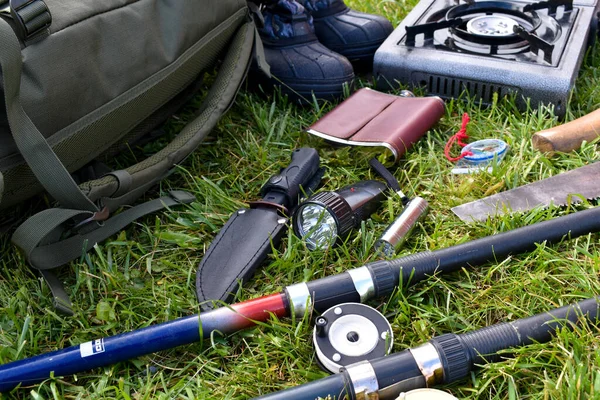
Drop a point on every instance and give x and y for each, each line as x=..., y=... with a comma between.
x=351, y=33
x=300, y=65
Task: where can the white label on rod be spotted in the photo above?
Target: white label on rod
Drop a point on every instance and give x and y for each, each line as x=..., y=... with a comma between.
x=91, y=348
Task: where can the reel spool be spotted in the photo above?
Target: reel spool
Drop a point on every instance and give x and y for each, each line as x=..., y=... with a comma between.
x=349, y=333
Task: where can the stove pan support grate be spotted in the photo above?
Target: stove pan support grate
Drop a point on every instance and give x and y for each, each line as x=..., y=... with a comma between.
x=536, y=43
x=428, y=29
x=551, y=5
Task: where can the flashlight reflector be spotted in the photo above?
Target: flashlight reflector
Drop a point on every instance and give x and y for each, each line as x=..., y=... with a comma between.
x=317, y=226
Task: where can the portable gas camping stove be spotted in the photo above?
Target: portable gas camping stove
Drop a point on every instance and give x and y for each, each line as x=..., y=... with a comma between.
x=533, y=49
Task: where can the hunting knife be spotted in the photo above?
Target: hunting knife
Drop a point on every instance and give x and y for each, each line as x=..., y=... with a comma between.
x=250, y=234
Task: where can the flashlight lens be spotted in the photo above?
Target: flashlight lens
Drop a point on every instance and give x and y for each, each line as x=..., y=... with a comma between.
x=317, y=226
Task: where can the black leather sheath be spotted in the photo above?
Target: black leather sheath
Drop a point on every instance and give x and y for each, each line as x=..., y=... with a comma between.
x=240, y=247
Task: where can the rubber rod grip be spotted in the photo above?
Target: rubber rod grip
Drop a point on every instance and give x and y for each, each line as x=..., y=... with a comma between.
x=461, y=353
x=569, y=136
x=540, y=327
x=399, y=370
x=414, y=268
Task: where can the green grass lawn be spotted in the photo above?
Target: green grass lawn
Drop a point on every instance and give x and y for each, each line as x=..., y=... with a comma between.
x=146, y=274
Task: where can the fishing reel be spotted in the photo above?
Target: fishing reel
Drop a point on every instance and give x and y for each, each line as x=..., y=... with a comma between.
x=349, y=333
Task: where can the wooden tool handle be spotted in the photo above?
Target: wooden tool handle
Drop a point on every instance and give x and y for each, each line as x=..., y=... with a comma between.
x=569, y=136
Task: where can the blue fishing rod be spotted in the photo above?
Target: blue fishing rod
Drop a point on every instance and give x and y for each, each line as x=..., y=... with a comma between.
x=376, y=279
x=442, y=360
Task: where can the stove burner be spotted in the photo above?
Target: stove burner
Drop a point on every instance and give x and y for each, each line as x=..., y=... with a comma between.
x=491, y=25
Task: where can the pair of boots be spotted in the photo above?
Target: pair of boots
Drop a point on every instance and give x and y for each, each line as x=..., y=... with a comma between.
x=311, y=45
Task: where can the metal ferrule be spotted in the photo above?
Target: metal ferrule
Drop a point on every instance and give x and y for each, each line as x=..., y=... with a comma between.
x=364, y=381
x=428, y=360
x=299, y=298
x=363, y=282
x=395, y=235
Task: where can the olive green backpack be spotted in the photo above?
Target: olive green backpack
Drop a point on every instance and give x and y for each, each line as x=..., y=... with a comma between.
x=83, y=79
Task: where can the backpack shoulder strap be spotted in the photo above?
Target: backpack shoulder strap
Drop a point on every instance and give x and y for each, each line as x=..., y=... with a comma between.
x=32, y=145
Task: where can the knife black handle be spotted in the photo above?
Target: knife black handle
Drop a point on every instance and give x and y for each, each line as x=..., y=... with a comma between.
x=285, y=188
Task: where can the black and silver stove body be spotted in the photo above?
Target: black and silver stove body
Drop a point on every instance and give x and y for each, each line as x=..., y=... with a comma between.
x=533, y=49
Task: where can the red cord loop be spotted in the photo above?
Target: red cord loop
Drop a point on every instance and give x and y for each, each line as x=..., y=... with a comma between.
x=458, y=137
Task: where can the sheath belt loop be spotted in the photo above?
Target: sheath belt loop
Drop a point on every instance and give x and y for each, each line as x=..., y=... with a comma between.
x=124, y=180
x=32, y=18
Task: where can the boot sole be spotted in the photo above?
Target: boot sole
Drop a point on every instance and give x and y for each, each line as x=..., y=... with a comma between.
x=358, y=54
x=303, y=91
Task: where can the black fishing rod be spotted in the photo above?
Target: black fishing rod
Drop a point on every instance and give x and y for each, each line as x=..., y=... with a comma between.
x=442, y=360
x=376, y=279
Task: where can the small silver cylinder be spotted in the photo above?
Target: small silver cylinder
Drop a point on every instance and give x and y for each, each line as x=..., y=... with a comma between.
x=395, y=235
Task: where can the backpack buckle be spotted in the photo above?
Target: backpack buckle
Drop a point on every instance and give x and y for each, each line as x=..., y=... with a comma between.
x=98, y=216
x=31, y=17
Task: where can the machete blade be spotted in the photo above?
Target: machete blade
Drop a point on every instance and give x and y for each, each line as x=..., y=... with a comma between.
x=558, y=190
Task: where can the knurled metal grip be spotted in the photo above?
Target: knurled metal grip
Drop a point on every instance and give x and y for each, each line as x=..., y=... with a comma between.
x=396, y=234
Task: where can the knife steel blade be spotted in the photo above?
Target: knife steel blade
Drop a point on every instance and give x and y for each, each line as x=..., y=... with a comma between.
x=250, y=234
x=557, y=190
